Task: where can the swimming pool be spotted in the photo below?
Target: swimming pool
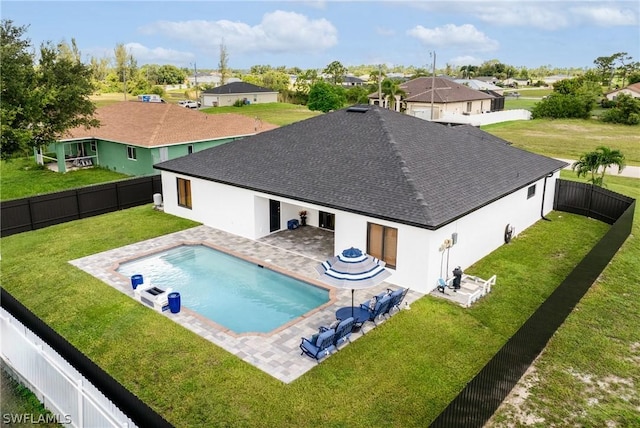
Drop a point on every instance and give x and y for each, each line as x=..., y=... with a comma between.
x=239, y=295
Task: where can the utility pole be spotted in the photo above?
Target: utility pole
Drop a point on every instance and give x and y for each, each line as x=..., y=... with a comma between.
x=433, y=83
x=379, y=85
x=195, y=76
x=124, y=79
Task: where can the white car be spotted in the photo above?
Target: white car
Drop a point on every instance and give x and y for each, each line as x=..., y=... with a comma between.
x=189, y=104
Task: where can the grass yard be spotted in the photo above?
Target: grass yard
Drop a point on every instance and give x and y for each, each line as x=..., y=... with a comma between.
x=277, y=113
x=569, y=138
x=589, y=373
x=403, y=373
x=22, y=177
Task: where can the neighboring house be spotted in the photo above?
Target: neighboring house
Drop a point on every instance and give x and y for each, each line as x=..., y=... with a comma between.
x=209, y=79
x=480, y=85
x=349, y=81
x=135, y=135
x=632, y=90
x=448, y=98
x=393, y=185
x=515, y=83
x=227, y=95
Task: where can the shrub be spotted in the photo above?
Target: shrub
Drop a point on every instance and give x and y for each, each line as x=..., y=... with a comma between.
x=559, y=106
x=626, y=110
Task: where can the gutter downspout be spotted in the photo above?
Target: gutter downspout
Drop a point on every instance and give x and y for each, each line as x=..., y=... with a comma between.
x=544, y=190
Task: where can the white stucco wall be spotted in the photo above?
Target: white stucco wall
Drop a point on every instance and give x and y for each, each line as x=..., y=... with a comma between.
x=419, y=260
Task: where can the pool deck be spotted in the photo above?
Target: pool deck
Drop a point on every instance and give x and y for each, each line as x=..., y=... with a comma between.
x=294, y=252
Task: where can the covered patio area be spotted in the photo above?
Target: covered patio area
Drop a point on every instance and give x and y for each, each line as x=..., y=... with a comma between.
x=309, y=241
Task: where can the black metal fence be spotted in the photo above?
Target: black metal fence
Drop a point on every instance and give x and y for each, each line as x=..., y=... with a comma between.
x=21, y=215
x=590, y=201
x=482, y=396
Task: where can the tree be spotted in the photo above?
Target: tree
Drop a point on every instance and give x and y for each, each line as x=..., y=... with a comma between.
x=169, y=75
x=223, y=64
x=61, y=94
x=391, y=88
x=39, y=104
x=325, y=97
x=608, y=157
x=626, y=110
x=587, y=164
x=17, y=78
x=336, y=72
x=561, y=106
x=599, y=160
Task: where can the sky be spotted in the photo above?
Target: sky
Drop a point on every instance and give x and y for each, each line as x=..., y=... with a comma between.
x=314, y=33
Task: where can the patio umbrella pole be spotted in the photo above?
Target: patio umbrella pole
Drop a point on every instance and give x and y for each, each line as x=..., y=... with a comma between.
x=352, y=302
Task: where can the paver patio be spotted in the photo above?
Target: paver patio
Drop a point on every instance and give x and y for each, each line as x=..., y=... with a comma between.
x=294, y=252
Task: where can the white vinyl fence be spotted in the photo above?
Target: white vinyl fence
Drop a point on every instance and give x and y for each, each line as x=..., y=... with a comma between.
x=486, y=118
x=70, y=397
x=477, y=119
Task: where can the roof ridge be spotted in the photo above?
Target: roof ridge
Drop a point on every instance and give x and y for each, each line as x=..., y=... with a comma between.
x=156, y=131
x=404, y=169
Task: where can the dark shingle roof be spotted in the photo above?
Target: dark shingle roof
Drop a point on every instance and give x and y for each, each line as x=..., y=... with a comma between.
x=237, y=88
x=374, y=162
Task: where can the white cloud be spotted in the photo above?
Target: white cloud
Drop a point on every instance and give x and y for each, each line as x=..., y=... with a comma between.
x=544, y=16
x=278, y=32
x=607, y=16
x=157, y=55
x=465, y=60
x=464, y=36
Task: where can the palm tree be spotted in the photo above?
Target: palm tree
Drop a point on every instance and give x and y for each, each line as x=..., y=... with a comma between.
x=601, y=159
x=391, y=88
x=588, y=163
x=609, y=157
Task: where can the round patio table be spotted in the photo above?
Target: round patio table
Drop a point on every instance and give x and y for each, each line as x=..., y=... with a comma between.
x=359, y=314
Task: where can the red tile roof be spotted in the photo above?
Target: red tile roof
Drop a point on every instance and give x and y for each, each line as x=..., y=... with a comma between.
x=160, y=124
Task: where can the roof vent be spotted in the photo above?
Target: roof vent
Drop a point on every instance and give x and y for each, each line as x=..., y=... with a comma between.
x=358, y=109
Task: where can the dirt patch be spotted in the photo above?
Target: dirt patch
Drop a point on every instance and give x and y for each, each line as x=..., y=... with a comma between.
x=513, y=411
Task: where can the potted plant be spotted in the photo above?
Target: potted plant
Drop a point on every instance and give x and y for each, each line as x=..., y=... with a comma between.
x=303, y=218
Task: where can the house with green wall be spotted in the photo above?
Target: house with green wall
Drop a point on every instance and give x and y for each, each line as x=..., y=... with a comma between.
x=133, y=136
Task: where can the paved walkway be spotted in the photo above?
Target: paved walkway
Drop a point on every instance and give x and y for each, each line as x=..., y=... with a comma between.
x=295, y=252
x=627, y=171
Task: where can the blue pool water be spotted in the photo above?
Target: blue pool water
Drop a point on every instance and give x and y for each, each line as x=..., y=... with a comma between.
x=228, y=290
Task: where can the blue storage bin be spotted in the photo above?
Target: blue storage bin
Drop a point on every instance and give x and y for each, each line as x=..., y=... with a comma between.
x=136, y=280
x=292, y=224
x=174, y=302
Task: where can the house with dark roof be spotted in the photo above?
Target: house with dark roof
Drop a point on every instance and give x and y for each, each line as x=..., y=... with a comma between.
x=133, y=136
x=248, y=93
x=391, y=184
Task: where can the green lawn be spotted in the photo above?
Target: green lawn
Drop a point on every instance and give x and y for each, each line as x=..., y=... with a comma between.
x=403, y=373
x=588, y=375
x=21, y=177
x=277, y=113
x=16, y=401
x=569, y=138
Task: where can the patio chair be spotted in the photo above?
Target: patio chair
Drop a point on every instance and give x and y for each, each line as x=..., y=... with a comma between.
x=381, y=307
x=343, y=331
x=320, y=346
x=397, y=296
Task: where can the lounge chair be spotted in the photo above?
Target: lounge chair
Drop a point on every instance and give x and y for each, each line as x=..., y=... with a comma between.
x=320, y=346
x=343, y=331
x=381, y=307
